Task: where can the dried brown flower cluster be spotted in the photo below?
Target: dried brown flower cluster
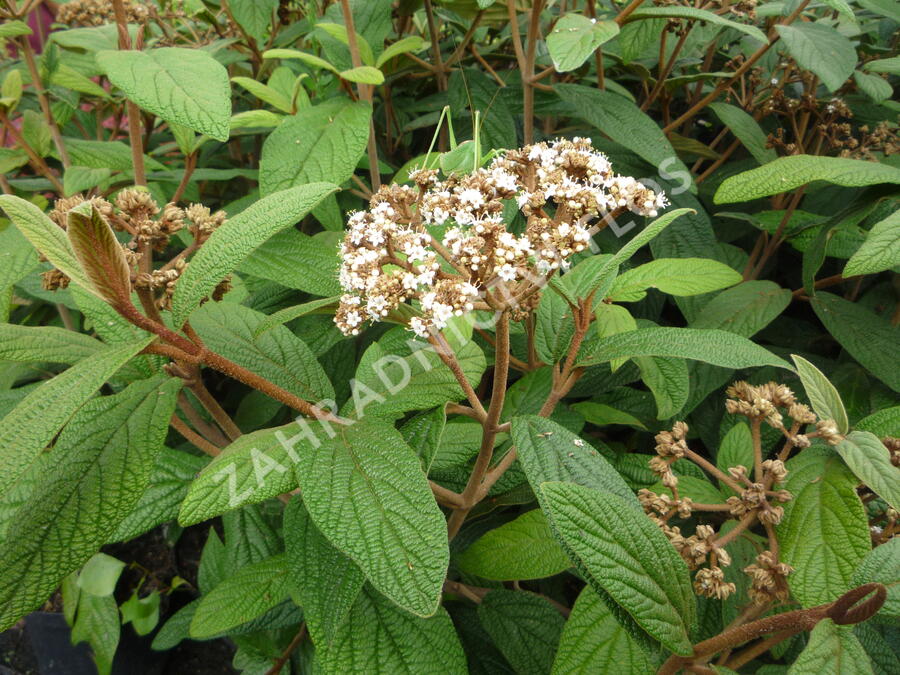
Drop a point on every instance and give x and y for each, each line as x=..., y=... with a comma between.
x=827, y=124
x=389, y=257
x=84, y=13
x=137, y=213
x=756, y=498
x=742, y=8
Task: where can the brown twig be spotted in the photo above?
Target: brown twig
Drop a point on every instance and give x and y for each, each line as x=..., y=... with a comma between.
x=843, y=611
x=286, y=655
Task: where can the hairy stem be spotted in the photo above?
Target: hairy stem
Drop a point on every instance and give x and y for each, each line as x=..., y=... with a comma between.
x=489, y=427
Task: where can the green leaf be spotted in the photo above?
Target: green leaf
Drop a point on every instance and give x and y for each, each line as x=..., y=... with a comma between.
x=601, y=415
x=237, y=238
x=525, y=627
x=746, y=129
x=141, y=613
x=876, y=88
x=297, y=260
x=882, y=565
x=363, y=75
x=45, y=343
x=325, y=582
x=413, y=43
x=340, y=33
x=880, y=251
x=824, y=533
x=675, y=276
x=366, y=491
x=699, y=490
x=869, y=339
x=550, y=452
x=321, y=143
x=97, y=623
x=718, y=347
x=100, y=574
x=309, y=59
x=81, y=178
x=424, y=433
x=883, y=423
x=612, y=320
x=498, y=555
x=254, y=16
x=591, y=275
x=32, y=425
x=553, y=327
x=17, y=256
x=241, y=597
x=622, y=120
x=100, y=254
x=46, y=236
x=832, y=650
x=669, y=382
x=744, y=309
x=870, y=461
x=288, y=314
x=594, y=642
x=185, y=86
x=169, y=480
x=643, y=237
x=14, y=28
x=736, y=448
x=881, y=8
x=890, y=65
x=575, y=37
x=693, y=14
x=378, y=637
x=825, y=399
x=624, y=554
x=820, y=48
x=255, y=467
x=112, y=155
x=264, y=93
x=100, y=467
x=277, y=355
x=788, y=173
x=388, y=385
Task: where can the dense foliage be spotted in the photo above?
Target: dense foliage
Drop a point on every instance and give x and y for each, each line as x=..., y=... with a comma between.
x=478, y=336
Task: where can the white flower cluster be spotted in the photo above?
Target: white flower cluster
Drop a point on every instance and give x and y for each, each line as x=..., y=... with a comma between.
x=390, y=257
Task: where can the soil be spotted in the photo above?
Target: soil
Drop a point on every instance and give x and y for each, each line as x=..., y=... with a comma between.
x=26, y=648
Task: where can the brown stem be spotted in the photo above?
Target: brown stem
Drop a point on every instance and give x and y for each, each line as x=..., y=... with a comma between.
x=25, y=45
x=713, y=469
x=446, y=354
x=756, y=435
x=190, y=163
x=843, y=611
x=758, y=649
x=286, y=655
x=629, y=9
x=778, y=238
x=134, y=113
x=365, y=93
x=446, y=497
x=37, y=162
x=489, y=431
x=193, y=437
x=212, y=406
x=209, y=431
x=192, y=352
x=725, y=84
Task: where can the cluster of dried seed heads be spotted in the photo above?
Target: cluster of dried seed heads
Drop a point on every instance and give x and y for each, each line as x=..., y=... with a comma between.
x=756, y=494
x=151, y=228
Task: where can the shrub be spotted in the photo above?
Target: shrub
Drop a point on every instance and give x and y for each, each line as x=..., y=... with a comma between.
x=477, y=336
